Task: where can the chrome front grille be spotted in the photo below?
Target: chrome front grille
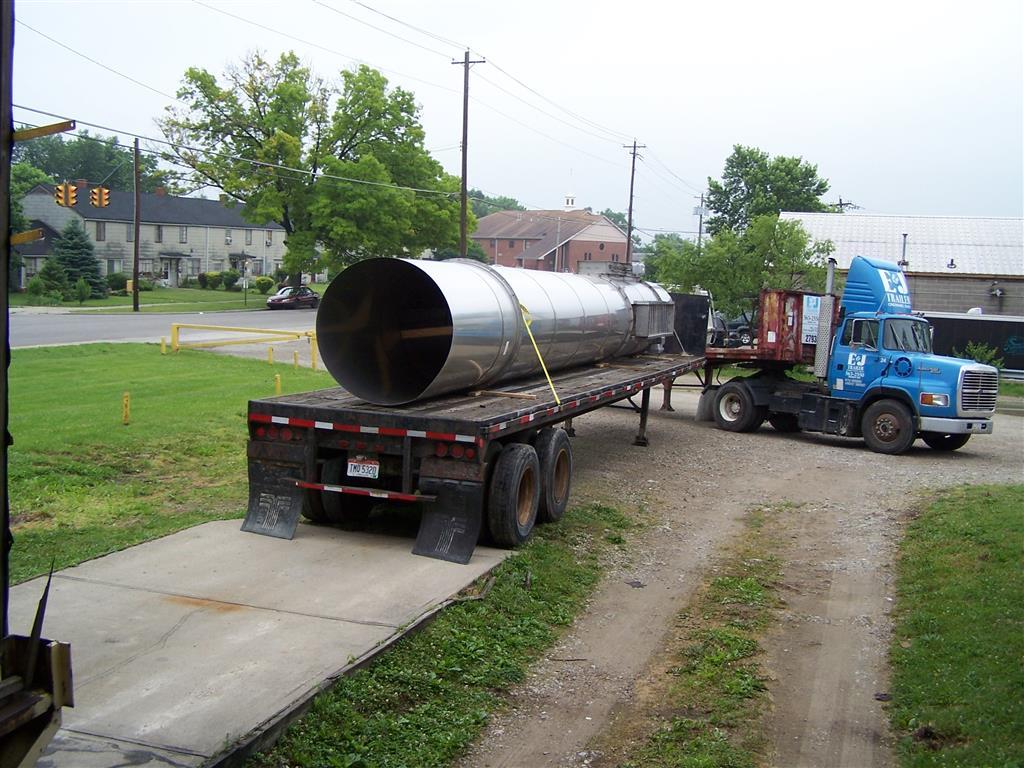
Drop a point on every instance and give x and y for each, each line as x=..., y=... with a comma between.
x=978, y=391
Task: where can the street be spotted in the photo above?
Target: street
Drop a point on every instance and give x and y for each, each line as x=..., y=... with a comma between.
x=33, y=328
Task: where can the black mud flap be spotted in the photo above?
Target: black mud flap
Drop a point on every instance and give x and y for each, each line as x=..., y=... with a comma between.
x=275, y=503
x=450, y=526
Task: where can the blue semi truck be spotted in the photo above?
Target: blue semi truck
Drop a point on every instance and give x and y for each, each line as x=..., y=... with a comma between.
x=876, y=376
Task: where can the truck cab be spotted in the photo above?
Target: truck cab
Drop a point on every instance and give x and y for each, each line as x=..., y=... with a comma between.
x=878, y=377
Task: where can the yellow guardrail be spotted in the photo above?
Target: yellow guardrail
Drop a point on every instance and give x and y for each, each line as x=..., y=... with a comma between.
x=256, y=336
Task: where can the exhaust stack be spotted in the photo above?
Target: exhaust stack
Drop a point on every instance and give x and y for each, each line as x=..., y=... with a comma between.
x=821, y=350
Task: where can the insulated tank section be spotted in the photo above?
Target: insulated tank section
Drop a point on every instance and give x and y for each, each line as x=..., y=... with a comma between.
x=393, y=331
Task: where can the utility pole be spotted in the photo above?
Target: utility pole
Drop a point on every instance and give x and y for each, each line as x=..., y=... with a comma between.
x=6, y=149
x=629, y=214
x=700, y=221
x=463, y=214
x=137, y=226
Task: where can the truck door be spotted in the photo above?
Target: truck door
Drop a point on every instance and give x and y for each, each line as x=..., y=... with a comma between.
x=856, y=361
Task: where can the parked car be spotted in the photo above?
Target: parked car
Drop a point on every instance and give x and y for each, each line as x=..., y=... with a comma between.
x=740, y=334
x=291, y=297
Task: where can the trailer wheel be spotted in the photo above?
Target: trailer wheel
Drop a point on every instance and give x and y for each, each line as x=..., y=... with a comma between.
x=343, y=509
x=887, y=427
x=784, y=422
x=939, y=442
x=735, y=410
x=554, y=453
x=514, y=495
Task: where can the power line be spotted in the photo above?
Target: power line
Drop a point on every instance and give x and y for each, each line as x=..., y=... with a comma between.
x=322, y=47
x=94, y=61
x=380, y=29
x=675, y=175
x=257, y=163
x=428, y=33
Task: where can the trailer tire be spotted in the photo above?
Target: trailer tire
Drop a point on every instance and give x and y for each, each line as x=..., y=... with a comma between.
x=554, y=454
x=514, y=495
x=345, y=510
x=887, y=427
x=784, y=422
x=938, y=441
x=735, y=410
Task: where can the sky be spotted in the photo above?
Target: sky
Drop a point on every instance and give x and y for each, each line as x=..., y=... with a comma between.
x=905, y=107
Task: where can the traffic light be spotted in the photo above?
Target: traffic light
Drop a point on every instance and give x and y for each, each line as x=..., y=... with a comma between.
x=58, y=195
x=99, y=197
x=70, y=194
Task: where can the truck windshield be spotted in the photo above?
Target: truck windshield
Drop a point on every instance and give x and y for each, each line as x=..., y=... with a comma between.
x=908, y=335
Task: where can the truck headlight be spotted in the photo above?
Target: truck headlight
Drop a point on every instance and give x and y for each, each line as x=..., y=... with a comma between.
x=930, y=398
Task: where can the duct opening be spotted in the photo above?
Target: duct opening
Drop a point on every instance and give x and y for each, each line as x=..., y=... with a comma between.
x=384, y=330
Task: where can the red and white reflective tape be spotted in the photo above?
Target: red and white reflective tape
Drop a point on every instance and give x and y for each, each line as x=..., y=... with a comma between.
x=355, y=490
x=448, y=437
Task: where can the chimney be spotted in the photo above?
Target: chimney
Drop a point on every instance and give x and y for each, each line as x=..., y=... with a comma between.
x=159, y=191
x=81, y=183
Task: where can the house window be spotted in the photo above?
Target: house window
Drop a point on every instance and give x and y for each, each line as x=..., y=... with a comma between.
x=615, y=257
x=227, y=237
x=101, y=231
x=257, y=268
x=145, y=266
x=197, y=266
x=129, y=233
x=248, y=237
x=158, y=235
x=511, y=243
x=182, y=234
x=270, y=237
x=586, y=256
x=600, y=246
x=113, y=265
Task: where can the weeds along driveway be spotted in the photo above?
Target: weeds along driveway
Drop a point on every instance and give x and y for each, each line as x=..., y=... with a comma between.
x=826, y=659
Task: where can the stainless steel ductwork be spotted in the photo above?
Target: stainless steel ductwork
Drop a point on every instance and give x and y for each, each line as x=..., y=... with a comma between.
x=392, y=331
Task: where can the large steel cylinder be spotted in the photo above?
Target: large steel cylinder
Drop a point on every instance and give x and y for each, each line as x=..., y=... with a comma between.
x=392, y=331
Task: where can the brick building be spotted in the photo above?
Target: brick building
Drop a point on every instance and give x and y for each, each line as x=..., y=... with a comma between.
x=553, y=241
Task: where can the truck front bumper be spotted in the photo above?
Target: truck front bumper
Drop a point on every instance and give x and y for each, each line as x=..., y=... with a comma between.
x=956, y=426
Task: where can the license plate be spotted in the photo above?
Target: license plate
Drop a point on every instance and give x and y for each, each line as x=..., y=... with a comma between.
x=364, y=468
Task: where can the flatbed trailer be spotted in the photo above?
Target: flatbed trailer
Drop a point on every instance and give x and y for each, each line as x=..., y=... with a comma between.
x=490, y=457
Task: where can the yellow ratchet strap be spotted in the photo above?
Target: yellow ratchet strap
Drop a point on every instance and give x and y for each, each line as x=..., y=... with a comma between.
x=527, y=320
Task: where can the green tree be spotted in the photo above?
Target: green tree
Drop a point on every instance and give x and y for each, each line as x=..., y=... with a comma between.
x=473, y=251
x=82, y=290
x=754, y=184
x=735, y=267
x=53, y=278
x=74, y=251
x=91, y=157
x=281, y=114
x=484, y=205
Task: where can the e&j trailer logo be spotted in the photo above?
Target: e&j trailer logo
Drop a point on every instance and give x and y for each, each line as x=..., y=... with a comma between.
x=895, y=285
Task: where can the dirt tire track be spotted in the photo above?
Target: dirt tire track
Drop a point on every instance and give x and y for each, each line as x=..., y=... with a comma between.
x=697, y=483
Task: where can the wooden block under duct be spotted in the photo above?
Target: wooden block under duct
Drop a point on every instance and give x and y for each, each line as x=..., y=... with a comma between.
x=424, y=333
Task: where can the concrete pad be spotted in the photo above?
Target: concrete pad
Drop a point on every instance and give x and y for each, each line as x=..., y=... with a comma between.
x=184, y=645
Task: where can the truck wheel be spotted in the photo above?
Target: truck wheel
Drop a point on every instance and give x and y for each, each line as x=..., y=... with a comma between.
x=784, y=422
x=940, y=442
x=514, y=495
x=735, y=410
x=745, y=338
x=343, y=509
x=555, y=457
x=887, y=427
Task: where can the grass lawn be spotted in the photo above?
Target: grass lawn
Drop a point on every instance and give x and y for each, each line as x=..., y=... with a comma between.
x=83, y=484
x=958, y=645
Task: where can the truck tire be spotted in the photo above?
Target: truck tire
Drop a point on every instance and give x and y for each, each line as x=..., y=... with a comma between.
x=735, y=410
x=345, y=510
x=784, y=422
x=939, y=442
x=554, y=454
x=514, y=495
x=887, y=427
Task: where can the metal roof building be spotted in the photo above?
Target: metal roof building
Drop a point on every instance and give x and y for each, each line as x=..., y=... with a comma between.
x=953, y=263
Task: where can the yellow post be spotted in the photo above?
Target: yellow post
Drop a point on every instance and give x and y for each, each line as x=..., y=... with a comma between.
x=270, y=355
x=174, y=336
x=312, y=351
x=126, y=407
x=277, y=383
x=295, y=359
x=163, y=345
